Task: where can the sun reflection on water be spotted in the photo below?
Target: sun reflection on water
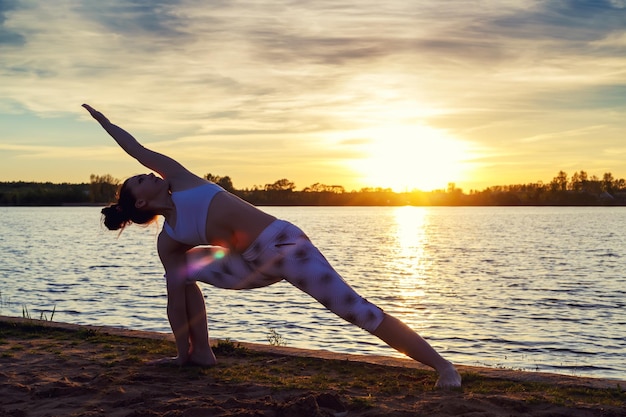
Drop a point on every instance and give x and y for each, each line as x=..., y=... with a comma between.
x=410, y=229
x=410, y=260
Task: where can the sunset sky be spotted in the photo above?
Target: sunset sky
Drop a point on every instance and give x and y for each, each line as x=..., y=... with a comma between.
x=397, y=93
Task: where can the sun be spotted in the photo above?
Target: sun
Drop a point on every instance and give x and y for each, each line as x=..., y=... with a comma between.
x=408, y=158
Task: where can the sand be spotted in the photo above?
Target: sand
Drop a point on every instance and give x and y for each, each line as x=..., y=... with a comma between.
x=56, y=369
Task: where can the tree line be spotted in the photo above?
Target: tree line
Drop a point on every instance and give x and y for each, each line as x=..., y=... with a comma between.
x=100, y=190
x=579, y=189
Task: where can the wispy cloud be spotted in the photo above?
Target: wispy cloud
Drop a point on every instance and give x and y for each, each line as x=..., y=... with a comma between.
x=35, y=152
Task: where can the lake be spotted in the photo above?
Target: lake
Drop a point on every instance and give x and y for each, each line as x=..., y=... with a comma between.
x=530, y=288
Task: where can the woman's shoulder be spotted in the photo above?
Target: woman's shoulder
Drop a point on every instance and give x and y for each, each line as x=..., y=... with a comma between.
x=186, y=182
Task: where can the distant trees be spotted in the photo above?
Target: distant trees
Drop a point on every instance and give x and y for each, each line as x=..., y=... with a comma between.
x=22, y=193
x=102, y=188
x=578, y=181
x=580, y=189
x=559, y=183
x=224, y=182
x=283, y=185
x=278, y=193
x=581, y=182
x=323, y=188
x=608, y=183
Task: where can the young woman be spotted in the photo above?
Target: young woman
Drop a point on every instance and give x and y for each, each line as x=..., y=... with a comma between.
x=259, y=250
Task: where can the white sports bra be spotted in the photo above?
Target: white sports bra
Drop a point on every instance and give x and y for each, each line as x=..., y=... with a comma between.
x=191, y=213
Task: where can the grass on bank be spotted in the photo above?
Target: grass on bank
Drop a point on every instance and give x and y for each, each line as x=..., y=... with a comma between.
x=361, y=382
x=42, y=314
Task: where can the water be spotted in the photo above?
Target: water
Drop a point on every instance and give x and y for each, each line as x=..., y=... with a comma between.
x=538, y=289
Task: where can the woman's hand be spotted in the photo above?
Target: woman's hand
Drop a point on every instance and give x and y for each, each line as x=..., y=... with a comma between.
x=101, y=118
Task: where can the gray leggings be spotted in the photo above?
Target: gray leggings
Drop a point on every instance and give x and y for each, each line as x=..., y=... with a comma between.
x=283, y=251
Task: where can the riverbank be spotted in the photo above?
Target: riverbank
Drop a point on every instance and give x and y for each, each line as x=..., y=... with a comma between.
x=53, y=369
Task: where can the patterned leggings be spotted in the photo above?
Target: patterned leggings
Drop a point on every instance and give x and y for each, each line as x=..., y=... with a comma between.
x=283, y=251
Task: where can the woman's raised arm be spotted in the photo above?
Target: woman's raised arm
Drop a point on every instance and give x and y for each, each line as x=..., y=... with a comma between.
x=164, y=165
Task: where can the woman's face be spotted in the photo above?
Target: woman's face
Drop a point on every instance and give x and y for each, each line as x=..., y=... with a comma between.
x=146, y=187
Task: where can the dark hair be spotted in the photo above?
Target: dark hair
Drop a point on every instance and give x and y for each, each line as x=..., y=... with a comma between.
x=121, y=214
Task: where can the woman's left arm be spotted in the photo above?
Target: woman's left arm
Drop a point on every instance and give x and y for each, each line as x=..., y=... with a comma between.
x=164, y=165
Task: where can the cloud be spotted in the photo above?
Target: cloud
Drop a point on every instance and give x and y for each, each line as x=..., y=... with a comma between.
x=156, y=19
x=8, y=37
x=38, y=152
x=573, y=21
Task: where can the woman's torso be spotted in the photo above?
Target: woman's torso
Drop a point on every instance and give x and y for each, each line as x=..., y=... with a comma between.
x=228, y=220
x=234, y=223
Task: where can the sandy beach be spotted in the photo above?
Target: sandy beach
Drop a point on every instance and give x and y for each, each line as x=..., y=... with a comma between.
x=57, y=369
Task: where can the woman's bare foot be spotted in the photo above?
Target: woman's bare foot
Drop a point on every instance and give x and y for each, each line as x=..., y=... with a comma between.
x=449, y=378
x=204, y=358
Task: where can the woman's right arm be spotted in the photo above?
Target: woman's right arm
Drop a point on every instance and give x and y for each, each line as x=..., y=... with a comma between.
x=164, y=165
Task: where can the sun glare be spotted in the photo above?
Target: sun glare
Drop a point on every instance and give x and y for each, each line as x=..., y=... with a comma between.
x=408, y=158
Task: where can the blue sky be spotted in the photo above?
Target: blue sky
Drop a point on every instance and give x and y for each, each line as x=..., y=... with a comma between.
x=401, y=94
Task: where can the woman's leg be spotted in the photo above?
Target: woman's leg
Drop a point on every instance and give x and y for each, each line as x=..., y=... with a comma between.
x=200, y=352
x=303, y=265
x=225, y=270
x=405, y=340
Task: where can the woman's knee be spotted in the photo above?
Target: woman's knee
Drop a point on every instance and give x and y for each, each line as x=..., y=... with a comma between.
x=368, y=316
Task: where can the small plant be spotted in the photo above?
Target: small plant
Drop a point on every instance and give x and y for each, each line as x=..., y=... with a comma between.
x=275, y=339
x=42, y=315
x=25, y=313
x=227, y=346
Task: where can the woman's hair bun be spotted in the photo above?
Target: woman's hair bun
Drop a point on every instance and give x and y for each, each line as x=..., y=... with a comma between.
x=114, y=217
x=121, y=214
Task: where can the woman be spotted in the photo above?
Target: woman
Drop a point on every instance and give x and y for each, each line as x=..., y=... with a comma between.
x=259, y=250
